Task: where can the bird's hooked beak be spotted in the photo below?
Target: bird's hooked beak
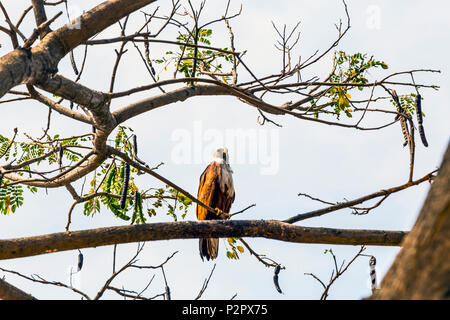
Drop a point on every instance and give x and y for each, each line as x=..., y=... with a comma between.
x=225, y=154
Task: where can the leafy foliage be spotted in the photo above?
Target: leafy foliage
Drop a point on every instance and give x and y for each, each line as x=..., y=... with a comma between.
x=181, y=201
x=112, y=177
x=106, y=185
x=234, y=249
x=207, y=60
x=11, y=197
x=28, y=153
x=350, y=69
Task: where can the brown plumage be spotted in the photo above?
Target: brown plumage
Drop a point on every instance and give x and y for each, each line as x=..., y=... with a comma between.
x=215, y=190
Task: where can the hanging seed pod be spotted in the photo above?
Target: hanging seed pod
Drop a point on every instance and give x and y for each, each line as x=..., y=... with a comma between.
x=405, y=130
x=136, y=200
x=403, y=124
x=126, y=180
x=135, y=145
x=397, y=101
x=373, y=274
x=419, y=108
x=61, y=154
x=275, y=278
x=277, y=269
x=420, y=120
x=111, y=177
x=80, y=261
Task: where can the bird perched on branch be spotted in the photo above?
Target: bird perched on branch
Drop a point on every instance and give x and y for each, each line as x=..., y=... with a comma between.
x=217, y=191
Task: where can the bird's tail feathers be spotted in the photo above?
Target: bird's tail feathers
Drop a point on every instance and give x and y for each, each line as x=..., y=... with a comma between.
x=209, y=248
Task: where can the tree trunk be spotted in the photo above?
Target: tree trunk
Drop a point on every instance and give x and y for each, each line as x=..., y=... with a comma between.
x=422, y=268
x=10, y=292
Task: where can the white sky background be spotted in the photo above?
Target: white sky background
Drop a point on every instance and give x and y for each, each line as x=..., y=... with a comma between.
x=328, y=162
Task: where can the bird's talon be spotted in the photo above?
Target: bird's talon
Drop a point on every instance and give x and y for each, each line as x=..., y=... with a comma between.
x=221, y=214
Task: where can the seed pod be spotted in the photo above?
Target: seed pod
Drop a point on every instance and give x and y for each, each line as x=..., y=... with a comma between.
x=277, y=269
x=122, y=171
x=136, y=200
x=61, y=154
x=126, y=180
x=405, y=130
x=111, y=177
x=135, y=145
x=399, y=106
x=373, y=274
x=275, y=278
x=403, y=124
x=420, y=120
x=133, y=217
x=397, y=101
x=277, y=286
x=80, y=261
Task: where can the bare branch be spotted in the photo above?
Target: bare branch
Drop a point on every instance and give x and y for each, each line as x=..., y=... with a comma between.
x=349, y=204
x=39, y=279
x=337, y=272
x=205, y=283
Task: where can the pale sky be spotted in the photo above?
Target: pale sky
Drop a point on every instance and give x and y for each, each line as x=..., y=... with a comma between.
x=331, y=163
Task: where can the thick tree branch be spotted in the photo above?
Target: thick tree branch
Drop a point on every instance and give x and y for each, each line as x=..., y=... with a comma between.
x=28, y=66
x=10, y=292
x=83, y=167
x=75, y=92
x=270, y=229
x=57, y=107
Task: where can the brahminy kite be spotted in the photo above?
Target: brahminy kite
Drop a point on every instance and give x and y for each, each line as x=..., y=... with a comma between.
x=217, y=191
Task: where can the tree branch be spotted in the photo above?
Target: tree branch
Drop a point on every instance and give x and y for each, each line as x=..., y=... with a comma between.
x=349, y=204
x=40, y=16
x=270, y=229
x=27, y=66
x=10, y=292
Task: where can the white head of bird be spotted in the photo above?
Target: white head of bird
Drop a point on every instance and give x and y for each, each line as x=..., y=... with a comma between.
x=221, y=156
